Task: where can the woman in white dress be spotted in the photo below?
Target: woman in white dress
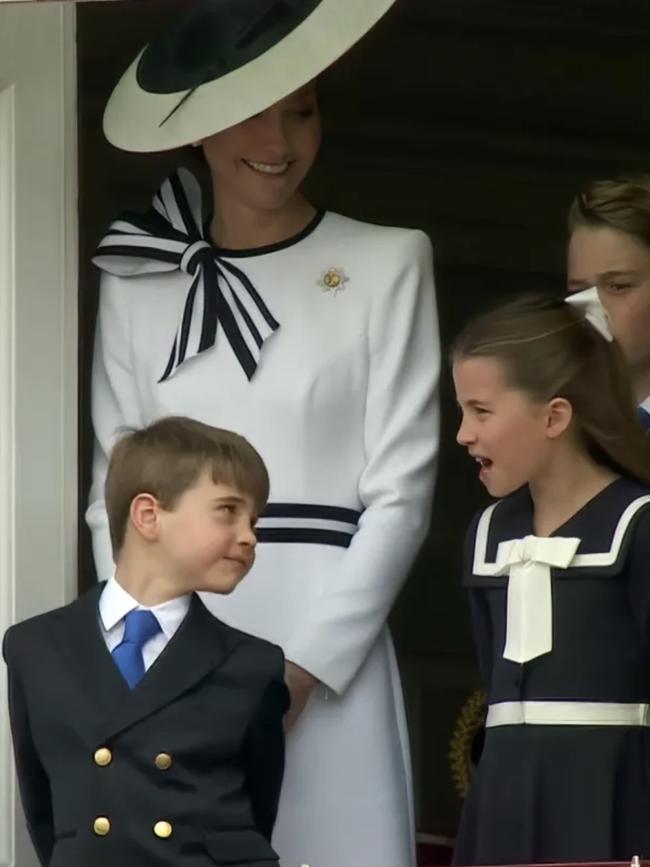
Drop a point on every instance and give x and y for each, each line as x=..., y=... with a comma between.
x=314, y=336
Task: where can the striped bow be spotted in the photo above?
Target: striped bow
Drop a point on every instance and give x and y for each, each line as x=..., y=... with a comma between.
x=171, y=237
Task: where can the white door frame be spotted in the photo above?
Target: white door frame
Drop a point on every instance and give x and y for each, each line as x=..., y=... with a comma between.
x=38, y=339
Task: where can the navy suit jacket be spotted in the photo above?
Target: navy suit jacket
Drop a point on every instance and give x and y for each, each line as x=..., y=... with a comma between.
x=88, y=750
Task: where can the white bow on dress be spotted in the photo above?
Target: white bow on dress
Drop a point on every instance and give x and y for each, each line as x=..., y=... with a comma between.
x=528, y=563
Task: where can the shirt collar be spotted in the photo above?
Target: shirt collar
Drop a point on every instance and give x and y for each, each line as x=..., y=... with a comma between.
x=645, y=404
x=115, y=603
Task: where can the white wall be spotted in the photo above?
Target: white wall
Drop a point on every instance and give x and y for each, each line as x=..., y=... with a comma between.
x=38, y=338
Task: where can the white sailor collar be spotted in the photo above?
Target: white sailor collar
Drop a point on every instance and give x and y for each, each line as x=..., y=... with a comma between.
x=592, y=540
x=602, y=528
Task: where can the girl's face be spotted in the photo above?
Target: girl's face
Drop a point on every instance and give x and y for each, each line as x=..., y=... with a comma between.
x=619, y=266
x=502, y=428
x=261, y=162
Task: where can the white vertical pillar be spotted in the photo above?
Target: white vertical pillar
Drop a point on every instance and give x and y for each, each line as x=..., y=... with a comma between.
x=7, y=444
x=38, y=339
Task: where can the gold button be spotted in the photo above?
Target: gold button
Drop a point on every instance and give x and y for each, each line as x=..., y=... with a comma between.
x=103, y=757
x=163, y=761
x=162, y=830
x=101, y=826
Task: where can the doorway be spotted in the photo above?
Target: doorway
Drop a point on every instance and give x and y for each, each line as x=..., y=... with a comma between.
x=475, y=121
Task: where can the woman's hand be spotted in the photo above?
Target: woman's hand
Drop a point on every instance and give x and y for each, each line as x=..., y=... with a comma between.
x=300, y=684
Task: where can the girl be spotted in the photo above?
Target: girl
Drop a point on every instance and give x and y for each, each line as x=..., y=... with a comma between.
x=558, y=571
x=314, y=336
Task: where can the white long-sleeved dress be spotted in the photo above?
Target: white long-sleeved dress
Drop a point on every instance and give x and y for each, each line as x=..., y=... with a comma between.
x=342, y=406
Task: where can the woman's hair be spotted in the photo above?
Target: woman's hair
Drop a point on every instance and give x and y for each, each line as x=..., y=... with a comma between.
x=548, y=349
x=621, y=203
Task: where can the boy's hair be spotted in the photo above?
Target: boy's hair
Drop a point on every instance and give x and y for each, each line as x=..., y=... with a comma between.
x=548, y=349
x=621, y=203
x=168, y=457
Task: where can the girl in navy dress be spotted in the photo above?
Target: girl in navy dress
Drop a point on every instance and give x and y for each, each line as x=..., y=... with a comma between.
x=558, y=573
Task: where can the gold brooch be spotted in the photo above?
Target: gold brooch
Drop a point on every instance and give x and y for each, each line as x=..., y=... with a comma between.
x=333, y=280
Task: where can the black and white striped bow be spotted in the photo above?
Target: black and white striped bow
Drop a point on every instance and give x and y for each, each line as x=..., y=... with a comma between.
x=171, y=237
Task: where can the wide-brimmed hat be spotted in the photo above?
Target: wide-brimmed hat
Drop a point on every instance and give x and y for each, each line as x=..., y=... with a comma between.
x=227, y=60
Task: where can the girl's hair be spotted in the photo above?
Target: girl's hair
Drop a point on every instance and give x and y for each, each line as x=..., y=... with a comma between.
x=548, y=349
x=621, y=203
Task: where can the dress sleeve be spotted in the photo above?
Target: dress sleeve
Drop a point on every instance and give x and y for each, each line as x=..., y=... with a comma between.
x=114, y=406
x=483, y=634
x=482, y=626
x=639, y=571
x=396, y=485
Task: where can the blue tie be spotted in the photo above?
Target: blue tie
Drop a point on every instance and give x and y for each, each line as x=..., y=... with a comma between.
x=139, y=627
x=644, y=415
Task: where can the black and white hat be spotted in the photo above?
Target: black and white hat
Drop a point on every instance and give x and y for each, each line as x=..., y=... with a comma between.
x=227, y=60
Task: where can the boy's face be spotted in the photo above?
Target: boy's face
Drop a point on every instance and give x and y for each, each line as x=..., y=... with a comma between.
x=207, y=540
x=619, y=265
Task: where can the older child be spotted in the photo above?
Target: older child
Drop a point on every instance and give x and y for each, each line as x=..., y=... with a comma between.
x=146, y=731
x=609, y=247
x=558, y=571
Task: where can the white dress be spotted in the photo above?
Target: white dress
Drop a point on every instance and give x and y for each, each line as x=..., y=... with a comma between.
x=343, y=408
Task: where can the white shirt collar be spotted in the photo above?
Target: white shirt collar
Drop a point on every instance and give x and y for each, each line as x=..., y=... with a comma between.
x=115, y=603
x=645, y=404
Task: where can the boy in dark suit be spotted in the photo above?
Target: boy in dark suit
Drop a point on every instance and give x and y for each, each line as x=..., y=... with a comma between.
x=146, y=731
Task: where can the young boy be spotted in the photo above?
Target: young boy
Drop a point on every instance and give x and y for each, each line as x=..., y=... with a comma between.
x=146, y=731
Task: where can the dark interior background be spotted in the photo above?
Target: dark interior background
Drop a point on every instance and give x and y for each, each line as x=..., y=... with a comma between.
x=475, y=120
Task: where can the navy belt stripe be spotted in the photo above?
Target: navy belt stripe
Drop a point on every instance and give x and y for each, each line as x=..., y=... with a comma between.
x=305, y=536
x=286, y=513
x=307, y=510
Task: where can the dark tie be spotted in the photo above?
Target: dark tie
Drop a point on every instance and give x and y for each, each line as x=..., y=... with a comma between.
x=644, y=415
x=139, y=627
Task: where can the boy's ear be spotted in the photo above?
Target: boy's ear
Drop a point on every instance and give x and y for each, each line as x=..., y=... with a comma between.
x=559, y=417
x=145, y=514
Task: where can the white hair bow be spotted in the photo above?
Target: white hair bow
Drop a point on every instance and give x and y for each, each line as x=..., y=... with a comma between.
x=588, y=301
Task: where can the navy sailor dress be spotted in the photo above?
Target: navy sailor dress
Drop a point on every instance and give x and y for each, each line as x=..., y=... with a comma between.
x=575, y=789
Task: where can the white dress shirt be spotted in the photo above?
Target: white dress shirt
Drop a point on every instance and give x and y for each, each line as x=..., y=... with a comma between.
x=645, y=404
x=115, y=603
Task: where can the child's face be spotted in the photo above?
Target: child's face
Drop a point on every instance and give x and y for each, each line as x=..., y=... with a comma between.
x=207, y=539
x=619, y=266
x=502, y=428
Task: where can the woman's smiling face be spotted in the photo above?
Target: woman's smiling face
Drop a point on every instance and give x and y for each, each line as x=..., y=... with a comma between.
x=262, y=162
